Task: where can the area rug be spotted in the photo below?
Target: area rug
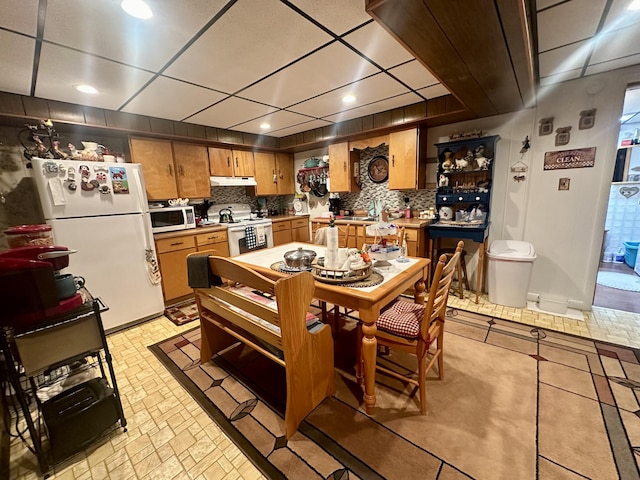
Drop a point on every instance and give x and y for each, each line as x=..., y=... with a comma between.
x=621, y=281
x=183, y=312
x=515, y=402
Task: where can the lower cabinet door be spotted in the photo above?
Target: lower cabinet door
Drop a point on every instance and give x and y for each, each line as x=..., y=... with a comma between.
x=173, y=267
x=282, y=237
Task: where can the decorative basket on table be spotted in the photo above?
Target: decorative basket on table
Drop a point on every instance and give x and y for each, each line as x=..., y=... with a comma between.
x=339, y=275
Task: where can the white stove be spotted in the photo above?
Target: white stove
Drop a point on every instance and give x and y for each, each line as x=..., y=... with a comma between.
x=245, y=230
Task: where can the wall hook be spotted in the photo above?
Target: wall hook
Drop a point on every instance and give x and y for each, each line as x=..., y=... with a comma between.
x=519, y=178
x=526, y=145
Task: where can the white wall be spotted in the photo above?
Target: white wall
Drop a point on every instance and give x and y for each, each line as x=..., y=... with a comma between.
x=565, y=227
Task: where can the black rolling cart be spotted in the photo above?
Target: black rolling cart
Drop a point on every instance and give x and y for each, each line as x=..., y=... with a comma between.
x=63, y=381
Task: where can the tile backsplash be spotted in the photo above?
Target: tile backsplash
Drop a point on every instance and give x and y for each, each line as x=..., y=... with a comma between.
x=418, y=199
x=623, y=214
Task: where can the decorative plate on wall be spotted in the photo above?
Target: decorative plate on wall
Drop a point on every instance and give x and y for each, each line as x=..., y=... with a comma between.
x=378, y=169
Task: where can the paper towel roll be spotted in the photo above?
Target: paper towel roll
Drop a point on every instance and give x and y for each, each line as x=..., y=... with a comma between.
x=331, y=259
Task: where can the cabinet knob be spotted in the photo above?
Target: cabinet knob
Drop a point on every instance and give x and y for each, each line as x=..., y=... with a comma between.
x=393, y=160
x=478, y=198
x=237, y=162
x=228, y=162
x=170, y=170
x=444, y=199
x=460, y=199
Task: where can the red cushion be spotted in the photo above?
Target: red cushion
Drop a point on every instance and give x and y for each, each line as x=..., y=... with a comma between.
x=402, y=318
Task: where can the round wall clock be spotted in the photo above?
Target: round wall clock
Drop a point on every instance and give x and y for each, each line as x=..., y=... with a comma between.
x=378, y=169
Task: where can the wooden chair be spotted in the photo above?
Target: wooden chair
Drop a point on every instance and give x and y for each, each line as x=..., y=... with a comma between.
x=461, y=270
x=275, y=322
x=414, y=328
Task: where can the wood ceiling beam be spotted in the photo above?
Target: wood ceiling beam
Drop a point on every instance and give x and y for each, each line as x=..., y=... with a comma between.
x=465, y=45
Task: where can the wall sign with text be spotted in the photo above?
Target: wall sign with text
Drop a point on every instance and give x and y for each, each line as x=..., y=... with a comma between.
x=577, y=158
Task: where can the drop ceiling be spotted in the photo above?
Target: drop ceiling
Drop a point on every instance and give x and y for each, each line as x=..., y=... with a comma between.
x=241, y=63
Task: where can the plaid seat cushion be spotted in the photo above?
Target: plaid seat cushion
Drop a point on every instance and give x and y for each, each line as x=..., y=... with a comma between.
x=402, y=318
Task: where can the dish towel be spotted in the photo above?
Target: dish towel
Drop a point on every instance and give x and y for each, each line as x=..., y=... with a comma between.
x=262, y=238
x=250, y=236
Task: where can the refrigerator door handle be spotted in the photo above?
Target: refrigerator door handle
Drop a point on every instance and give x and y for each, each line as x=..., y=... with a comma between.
x=150, y=255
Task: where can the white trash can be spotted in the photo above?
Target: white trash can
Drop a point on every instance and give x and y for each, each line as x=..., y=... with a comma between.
x=509, y=272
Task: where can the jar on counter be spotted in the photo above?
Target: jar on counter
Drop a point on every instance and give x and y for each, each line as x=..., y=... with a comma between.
x=29, y=235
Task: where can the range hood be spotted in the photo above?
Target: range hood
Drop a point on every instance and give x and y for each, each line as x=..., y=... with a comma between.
x=233, y=182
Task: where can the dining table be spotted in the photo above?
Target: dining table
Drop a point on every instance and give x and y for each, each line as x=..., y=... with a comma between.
x=368, y=301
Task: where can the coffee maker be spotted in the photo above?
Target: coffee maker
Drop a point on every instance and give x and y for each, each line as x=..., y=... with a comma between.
x=334, y=205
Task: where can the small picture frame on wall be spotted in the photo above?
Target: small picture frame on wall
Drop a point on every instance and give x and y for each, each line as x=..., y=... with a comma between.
x=562, y=136
x=546, y=126
x=563, y=183
x=587, y=119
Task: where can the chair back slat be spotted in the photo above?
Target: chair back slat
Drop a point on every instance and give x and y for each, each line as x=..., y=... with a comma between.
x=439, y=291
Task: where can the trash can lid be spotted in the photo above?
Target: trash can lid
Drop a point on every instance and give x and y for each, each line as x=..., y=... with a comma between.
x=511, y=250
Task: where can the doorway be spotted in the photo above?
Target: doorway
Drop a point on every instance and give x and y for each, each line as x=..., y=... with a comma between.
x=618, y=284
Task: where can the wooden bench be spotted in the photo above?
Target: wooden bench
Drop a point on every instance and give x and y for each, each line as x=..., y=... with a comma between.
x=272, y=318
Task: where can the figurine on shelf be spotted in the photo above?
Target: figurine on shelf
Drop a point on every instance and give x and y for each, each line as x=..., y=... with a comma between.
x=482, y=162
x=57, y=151
x=443, y=180
x=447, y=164
x=464, y=163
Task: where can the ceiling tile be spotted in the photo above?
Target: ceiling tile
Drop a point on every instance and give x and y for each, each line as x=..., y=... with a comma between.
x=339, y=16
x=554, y=29
x=434, y=91
x=16, y=58
x=613, y=65
x=313, y=75
x=617, y=44
x=303, y=127
x=414, y=75
x=560, y=77
x=565, y=58
x=374, y=42
x=247, y=44
x=231, y=111
x=61, y=68
x=192, y=99
x=373, y=89
x=103, y=28
x=619, y=17
x=388, y=104
x=20, y=16
x=278, y=120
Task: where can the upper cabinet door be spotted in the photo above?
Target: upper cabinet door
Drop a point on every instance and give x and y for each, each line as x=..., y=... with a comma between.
x=343, y=168
x=403, y=160
x=266, y=175
x=284, y=167
x=156, y=158
x=192, y=170
x=221, y=162
x=243, y=163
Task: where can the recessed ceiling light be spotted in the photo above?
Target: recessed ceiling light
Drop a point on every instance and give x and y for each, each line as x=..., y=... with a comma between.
x=86, y=89
x=265, y=126
x=634, y=5
x=137, y=8
x=348, y=99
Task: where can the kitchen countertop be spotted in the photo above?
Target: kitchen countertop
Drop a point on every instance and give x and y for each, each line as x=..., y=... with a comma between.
x=281, y=218
x=191, y=231
x=400, y=222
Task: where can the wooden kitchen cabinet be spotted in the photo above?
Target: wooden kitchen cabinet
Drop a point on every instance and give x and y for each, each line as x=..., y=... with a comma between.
x=344, y=168
x=274, y=174
x=192, y=170
x=172, y=169
x=156, y=158
x=172, y=258
x=291, y=230
x=408, y=159
x=284, y=170
x=216, y=241
x=225, y=162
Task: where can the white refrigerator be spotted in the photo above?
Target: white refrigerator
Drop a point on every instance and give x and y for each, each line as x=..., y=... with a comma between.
x=100, y=209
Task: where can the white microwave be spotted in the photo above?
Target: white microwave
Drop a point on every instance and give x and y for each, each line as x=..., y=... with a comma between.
x=170, y=219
